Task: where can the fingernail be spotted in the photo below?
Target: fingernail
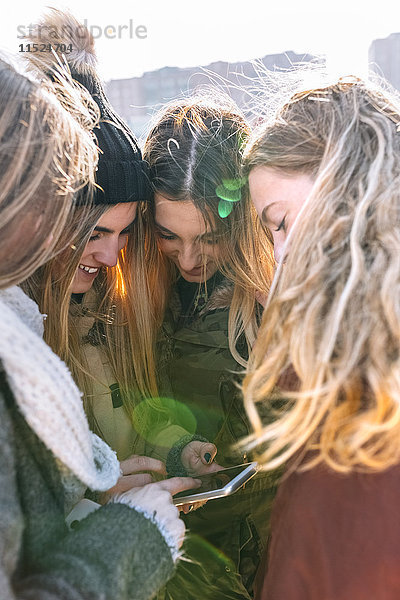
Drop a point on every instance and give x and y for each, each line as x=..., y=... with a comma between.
x=207, y=457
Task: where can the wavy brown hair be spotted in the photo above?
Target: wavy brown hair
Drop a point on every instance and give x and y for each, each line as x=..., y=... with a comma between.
x=333, y=315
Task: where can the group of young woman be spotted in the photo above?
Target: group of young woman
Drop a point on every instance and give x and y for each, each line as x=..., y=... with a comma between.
x=150, y=271
x=154, y=310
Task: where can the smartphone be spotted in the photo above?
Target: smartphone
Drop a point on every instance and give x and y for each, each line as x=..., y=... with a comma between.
x=218, y=484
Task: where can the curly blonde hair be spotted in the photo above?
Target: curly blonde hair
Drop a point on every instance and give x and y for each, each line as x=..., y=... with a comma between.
x=333, y=315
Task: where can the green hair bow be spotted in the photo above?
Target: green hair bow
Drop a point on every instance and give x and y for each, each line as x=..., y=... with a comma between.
x=228, y=192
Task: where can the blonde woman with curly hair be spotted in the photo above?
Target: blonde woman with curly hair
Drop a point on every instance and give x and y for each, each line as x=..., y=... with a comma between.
x=324, y=176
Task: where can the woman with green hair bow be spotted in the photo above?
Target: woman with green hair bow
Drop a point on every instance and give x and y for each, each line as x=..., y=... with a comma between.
x=214, y=259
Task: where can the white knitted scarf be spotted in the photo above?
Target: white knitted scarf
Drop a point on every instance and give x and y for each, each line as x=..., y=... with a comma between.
x=47, y=395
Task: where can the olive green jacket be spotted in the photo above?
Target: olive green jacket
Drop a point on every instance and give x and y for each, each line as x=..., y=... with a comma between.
x=198, y=370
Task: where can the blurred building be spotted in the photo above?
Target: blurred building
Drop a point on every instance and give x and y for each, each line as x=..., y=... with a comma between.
x=384, y=58
x=137, y=99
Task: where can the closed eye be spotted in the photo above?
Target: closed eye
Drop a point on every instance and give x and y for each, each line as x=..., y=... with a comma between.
x=281, y=225
x=94, y=237
x=164, y=236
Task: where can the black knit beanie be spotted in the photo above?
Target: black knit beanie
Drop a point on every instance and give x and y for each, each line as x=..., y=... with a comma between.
x=122, y=174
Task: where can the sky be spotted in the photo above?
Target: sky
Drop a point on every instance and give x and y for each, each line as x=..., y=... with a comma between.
x=184, y=34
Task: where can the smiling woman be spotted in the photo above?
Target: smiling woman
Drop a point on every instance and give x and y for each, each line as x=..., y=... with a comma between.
x=107, y=240
x=91, y=292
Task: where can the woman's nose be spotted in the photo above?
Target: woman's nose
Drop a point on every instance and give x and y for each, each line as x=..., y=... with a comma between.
x=189, y=258
x=107, y=254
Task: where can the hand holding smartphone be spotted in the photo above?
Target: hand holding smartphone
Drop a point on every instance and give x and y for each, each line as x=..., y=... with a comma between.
x=218, y=484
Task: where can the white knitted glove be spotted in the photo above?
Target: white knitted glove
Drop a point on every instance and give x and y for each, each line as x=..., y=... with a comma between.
x=154, y=501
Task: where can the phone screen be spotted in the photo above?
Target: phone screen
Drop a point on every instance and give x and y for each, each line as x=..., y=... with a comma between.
x=214, y=481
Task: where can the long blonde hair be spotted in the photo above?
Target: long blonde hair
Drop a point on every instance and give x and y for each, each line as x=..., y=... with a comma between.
x=50, y=287
x=46, y=156
x=193, y=146
x=333, y=315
